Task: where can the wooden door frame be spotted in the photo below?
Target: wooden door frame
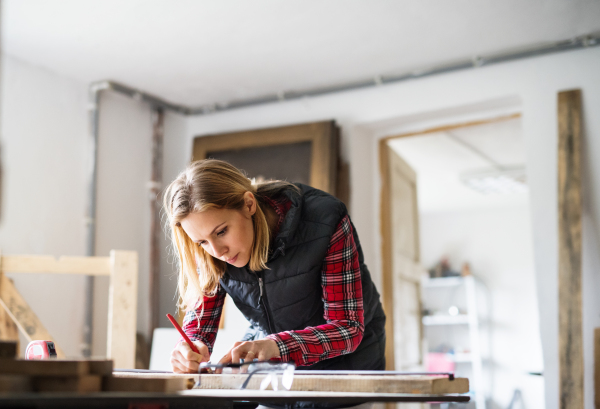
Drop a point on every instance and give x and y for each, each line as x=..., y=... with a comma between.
x=387, y=292
x=324, y=138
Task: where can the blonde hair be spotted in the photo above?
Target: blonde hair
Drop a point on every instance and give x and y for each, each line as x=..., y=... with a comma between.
x=209, y=184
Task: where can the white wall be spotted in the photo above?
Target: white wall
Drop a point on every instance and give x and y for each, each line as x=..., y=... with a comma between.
x=43, y=160
x=533, y=81
x=124, y=170
x=176, y=155
x=498, y=245
x=44, y=148
x=123, y=199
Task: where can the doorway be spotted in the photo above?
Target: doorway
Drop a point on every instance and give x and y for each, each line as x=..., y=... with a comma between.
x=464, y=298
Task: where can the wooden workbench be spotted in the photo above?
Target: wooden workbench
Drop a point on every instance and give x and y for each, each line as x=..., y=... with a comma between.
x=323, y=381
x=222, y=391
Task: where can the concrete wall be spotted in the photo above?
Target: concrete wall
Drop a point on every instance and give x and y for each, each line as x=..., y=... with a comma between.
x=362, y=115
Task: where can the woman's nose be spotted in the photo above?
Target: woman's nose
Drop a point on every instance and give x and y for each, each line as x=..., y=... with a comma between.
x=218, y=250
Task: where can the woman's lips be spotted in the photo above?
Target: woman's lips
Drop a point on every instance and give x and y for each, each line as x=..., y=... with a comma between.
x=232, y=260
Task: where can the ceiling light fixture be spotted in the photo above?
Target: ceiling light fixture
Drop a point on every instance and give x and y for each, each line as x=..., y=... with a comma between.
x=497, y=181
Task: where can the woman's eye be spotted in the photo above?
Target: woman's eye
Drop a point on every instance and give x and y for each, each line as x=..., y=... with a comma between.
x=201, y=243
x=222, y=232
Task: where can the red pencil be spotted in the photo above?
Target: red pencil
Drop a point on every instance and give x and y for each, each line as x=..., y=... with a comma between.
x=178, y=328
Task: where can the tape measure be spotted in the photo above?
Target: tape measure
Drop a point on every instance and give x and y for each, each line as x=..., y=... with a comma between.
x=40, y=350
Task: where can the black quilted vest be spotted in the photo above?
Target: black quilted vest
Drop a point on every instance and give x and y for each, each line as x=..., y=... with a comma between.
x=287, y=296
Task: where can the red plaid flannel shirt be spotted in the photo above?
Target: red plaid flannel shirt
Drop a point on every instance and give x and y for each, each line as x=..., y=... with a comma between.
x=342, y=298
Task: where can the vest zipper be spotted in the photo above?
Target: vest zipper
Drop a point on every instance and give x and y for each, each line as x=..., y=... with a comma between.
x=263, y=301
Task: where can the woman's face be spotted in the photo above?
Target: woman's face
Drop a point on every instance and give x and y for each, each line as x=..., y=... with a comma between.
x=224, y=233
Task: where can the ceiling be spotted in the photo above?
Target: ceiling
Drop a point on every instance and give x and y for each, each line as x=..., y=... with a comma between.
x=196, y=52
x=440, y=158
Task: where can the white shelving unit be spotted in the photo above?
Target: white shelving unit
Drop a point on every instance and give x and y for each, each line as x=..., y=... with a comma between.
x=469, y=320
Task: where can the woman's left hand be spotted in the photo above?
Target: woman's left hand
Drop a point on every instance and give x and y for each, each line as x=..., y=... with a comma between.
x=263, y=350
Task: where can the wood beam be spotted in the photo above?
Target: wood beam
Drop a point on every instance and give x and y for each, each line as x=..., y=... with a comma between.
x=569, y=255
x=8, y=329
x=95, y=266
x=122, y=308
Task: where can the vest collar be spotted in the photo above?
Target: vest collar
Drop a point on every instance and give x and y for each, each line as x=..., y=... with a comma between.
x=290, y=223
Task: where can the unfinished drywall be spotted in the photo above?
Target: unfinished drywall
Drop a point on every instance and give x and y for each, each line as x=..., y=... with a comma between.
x=362, y=115
x=43, y=152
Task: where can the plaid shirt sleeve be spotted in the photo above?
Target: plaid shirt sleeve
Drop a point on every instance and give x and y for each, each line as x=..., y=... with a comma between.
x=202, y=324
x=344, y=313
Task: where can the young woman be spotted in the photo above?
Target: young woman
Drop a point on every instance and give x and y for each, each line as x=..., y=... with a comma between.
x=289, y=257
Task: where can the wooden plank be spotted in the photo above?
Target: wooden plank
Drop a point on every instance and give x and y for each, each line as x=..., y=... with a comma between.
x=8, y=349
x=58, y=367
x=8, y=329
x=20, y=312
x=446, y=128
x=122, y=308
x=45, y=367
x=413, y=384
x=323, y=161
x=98, y=266
x=9, y=332
x=144, y=384
x=348, y=383
x=569, y=252
x=597, y=367
x=15, y=383
x=100, y=366
x=79, y=384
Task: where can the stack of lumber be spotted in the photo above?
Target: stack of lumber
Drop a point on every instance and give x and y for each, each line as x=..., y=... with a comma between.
x=77, y=376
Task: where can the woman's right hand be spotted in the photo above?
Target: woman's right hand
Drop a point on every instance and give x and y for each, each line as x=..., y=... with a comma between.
x=184, y=360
